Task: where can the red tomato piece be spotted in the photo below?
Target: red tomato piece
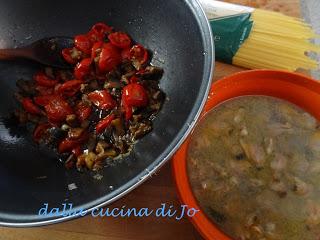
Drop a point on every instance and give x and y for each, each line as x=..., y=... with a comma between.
x=94, y=36
x=76, y=151
x=68, y=144
x=128, y=111
x=83, y=43
x=125, y=54
x=139, y=55
x=83, y=68
x=43, y=80
x=110, y=58
x=67, y=55
x=58, y=109
x=96, y=50
x=70, y=88
x=134, y=79
x=83, y=111
x=104, y=123
x=30, y=107
x=40, y=130
x=134, y=95
x=102, y=99
x=98, y=32
x=44, y=90
x=101, y=28
x=56, y=88
x=44, y=100
x=120, y=39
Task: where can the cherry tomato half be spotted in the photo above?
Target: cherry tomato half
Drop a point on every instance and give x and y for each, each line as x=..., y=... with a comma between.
x=128, y=111
x=30, y=107
x=43, y=80
x=44, y=100
x=139, y=56
x=44, y=90
x=134, y=79
x=68, y=144
x=102, y=28
x=83, y=43
x=125, y=54
x=70, y=88
x=96, y=50
x=120, y=39
x=98, y=32
x=76, y=151
x=40, y=131
x=83, y=111
x=110, y=58
x=104, y=123
x=134, y=95
x=58, y=109
x=102, y=99
x=67, y=55
x=82, y=69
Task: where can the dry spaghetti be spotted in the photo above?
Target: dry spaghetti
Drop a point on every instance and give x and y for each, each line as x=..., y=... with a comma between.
x=255, y=38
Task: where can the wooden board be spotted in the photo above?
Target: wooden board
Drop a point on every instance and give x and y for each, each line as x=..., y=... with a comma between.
x=288, y=7
x=159, y=189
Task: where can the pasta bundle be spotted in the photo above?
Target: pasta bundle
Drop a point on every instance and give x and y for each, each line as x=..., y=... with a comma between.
x=256, y=38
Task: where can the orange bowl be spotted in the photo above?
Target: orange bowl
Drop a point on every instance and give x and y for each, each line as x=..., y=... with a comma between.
x=295, y=88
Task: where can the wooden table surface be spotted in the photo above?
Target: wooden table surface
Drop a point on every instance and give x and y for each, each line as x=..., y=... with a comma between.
x=158, y=189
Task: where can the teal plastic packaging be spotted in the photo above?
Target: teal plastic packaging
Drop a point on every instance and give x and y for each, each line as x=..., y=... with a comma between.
x=231, y=26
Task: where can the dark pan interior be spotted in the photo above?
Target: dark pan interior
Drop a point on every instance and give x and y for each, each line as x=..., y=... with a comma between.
x=175, y=30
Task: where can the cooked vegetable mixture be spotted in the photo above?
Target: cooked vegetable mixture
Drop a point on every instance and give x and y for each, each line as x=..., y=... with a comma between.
x=100, y=108
x=254, y=167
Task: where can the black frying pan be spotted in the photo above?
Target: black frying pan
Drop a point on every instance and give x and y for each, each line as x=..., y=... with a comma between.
x=178, y=34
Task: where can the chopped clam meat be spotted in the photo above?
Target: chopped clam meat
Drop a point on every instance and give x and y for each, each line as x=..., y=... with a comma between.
x=313, y=211
x=300, y=187
x=244, y=131
x=314, y=167
x=239, y=115
x=269, y=145
x=279, y=163
x=308, y=121
x=279, y=187
x=277, y=129
x=314, y=143
x=254, y=152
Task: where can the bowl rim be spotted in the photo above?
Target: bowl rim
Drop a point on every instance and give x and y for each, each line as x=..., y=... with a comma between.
x=208, y=68
x=252, y=82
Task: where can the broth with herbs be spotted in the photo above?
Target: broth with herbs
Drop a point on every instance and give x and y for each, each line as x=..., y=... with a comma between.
x=254, y=166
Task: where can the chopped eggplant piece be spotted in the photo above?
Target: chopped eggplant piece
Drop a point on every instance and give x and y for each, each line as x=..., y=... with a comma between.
x=71, y=119
x=119, y=127
x=127, y=67
x=152, y=72
x=49, y=72
x=75, y=133
x=112, y=84
x=21, y=115
x=27, y=88
x=140, y=129
x=70, y=162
